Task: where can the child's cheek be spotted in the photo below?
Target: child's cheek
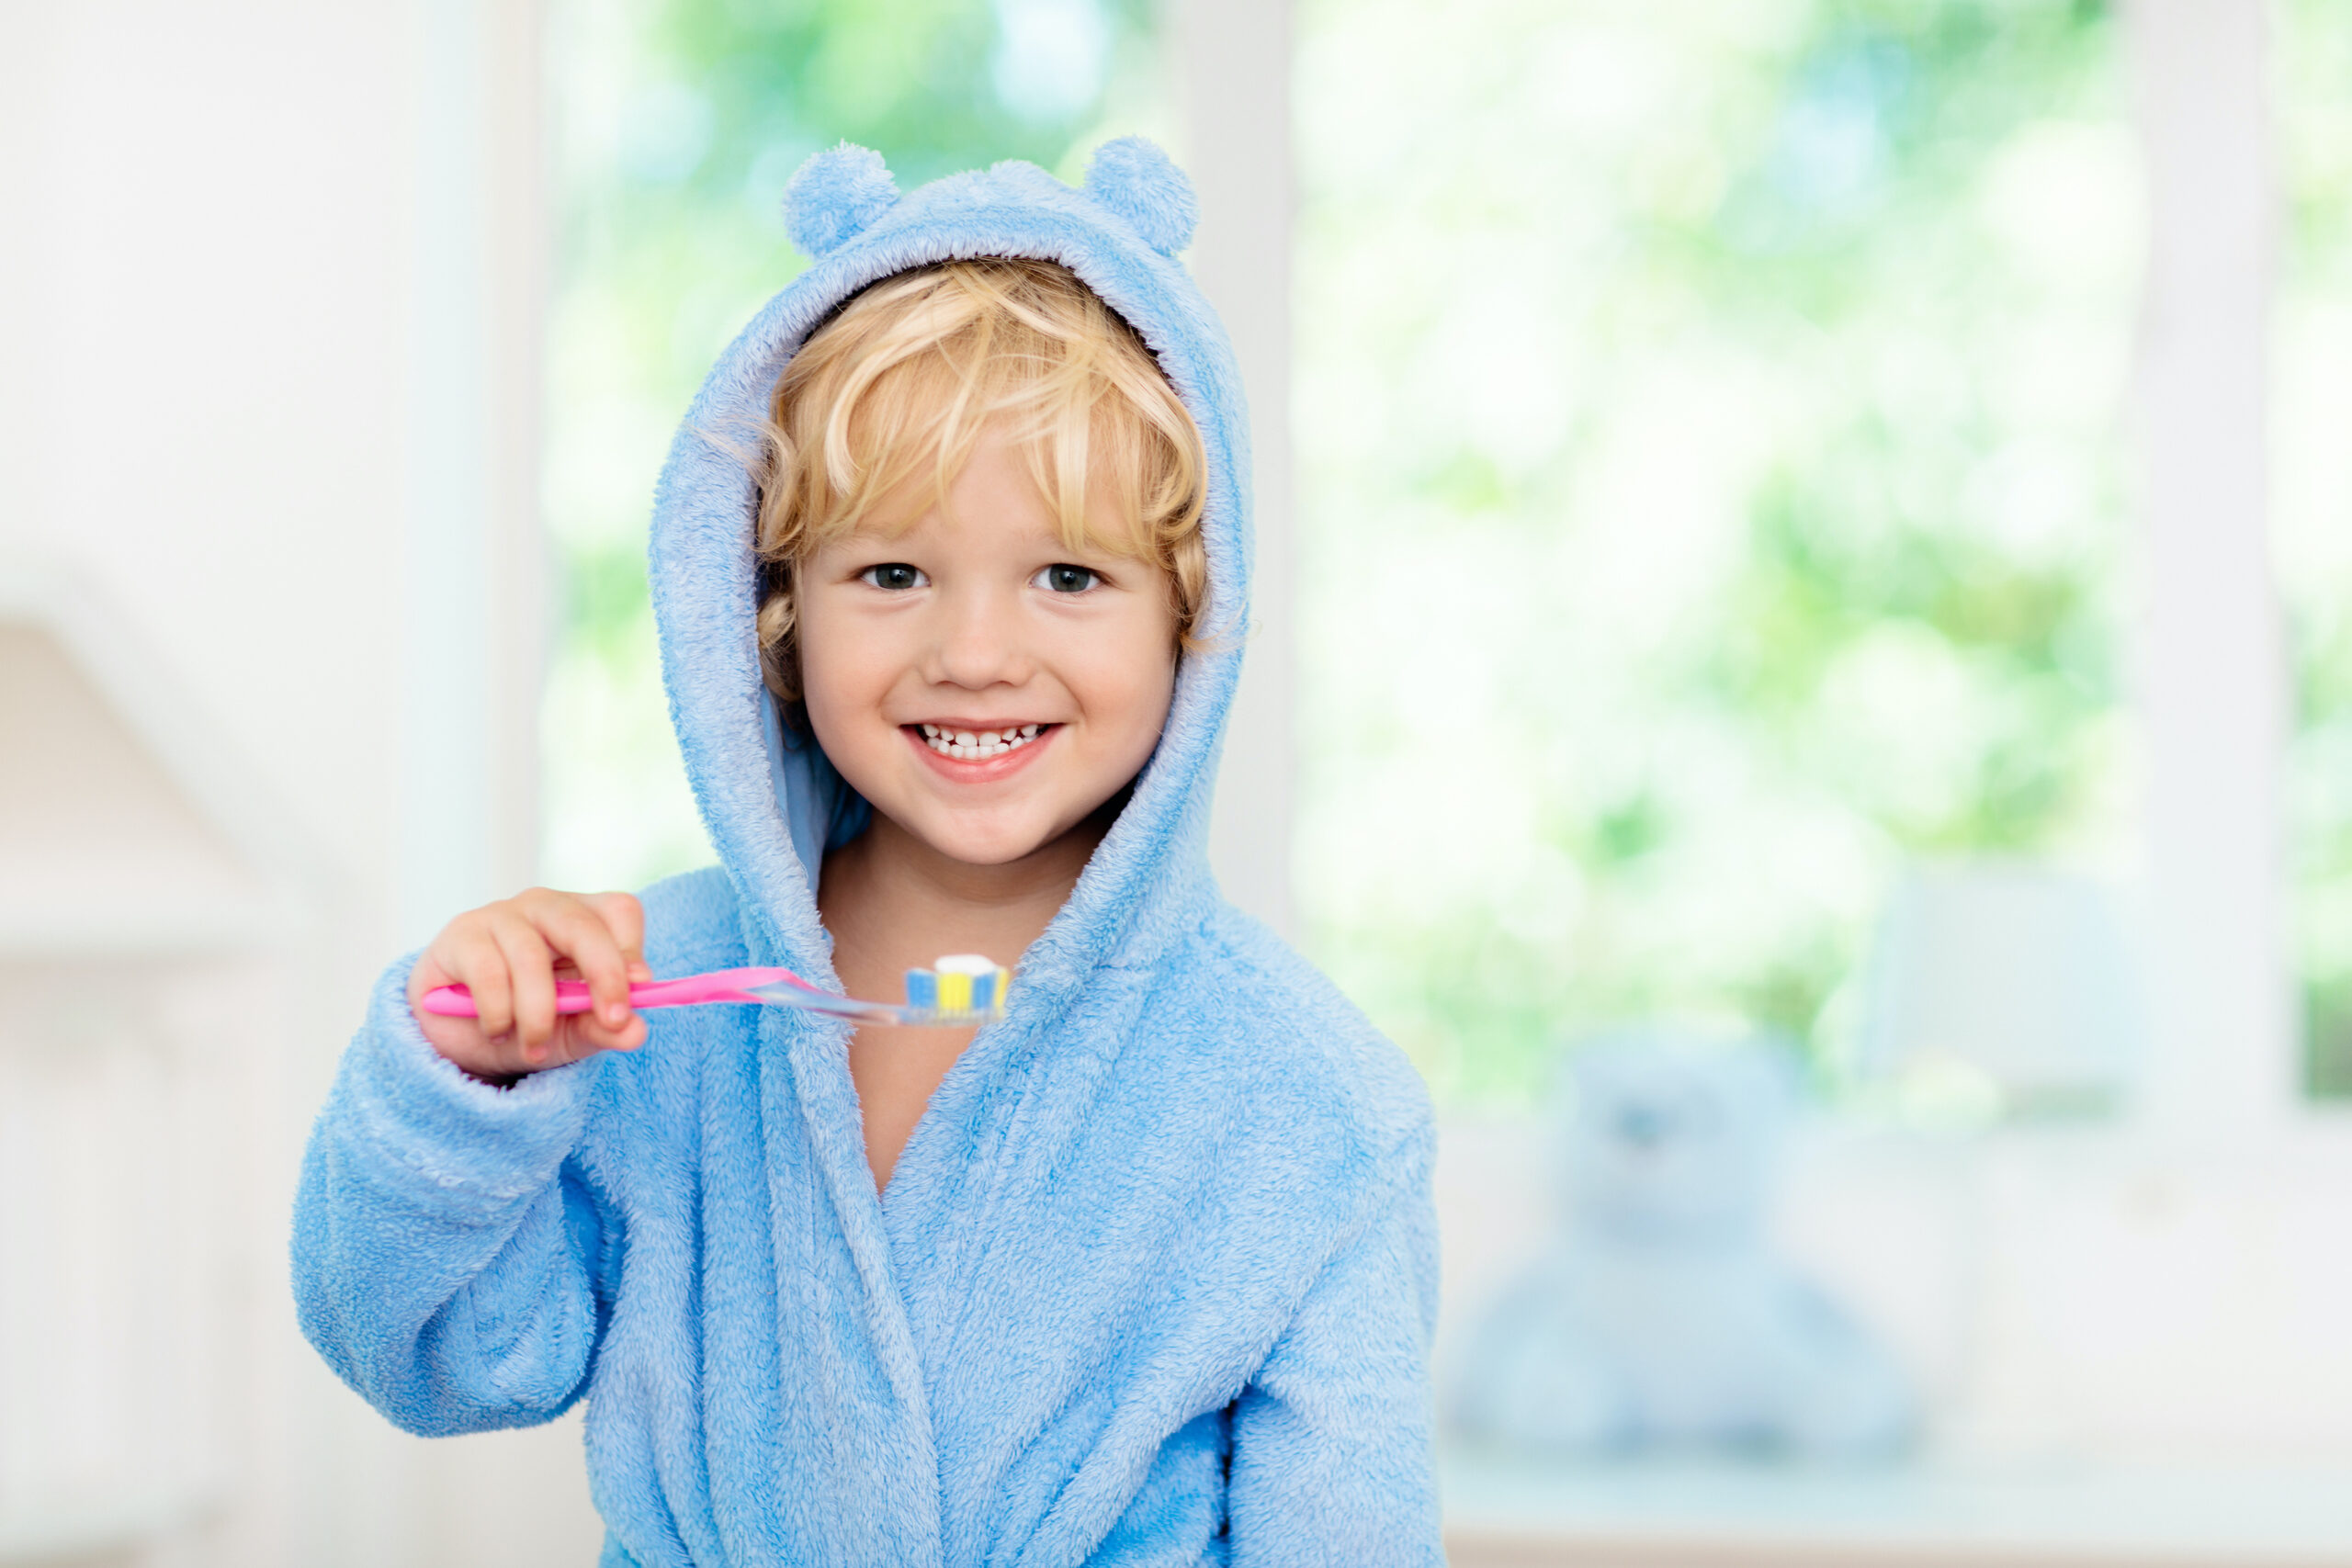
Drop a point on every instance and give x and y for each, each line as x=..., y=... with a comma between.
x=1149, y=683
x=843, y=678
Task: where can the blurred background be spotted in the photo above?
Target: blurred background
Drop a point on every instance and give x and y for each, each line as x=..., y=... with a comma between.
x=1818, y=524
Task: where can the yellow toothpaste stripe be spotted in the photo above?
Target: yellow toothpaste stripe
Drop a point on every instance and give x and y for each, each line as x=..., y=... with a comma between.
x=955, y=993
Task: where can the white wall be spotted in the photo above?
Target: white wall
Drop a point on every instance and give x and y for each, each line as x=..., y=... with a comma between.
x=267, y=322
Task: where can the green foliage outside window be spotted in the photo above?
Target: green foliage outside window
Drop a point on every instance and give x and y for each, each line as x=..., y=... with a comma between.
x=1706, y=418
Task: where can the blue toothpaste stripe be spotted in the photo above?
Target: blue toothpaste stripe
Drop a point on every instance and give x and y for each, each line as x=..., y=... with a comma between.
x=923, y=990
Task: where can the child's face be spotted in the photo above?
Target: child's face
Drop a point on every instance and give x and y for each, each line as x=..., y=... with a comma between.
x=979, y=619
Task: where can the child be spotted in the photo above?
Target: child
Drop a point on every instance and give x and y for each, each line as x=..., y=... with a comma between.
x=1143, y=1273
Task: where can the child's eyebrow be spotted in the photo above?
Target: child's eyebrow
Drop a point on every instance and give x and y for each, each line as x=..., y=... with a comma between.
x=874, y=531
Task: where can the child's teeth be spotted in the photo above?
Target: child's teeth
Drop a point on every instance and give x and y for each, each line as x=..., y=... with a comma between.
x=969, y=745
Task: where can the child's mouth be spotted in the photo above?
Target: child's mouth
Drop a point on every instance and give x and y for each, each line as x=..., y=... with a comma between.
x=979, y=745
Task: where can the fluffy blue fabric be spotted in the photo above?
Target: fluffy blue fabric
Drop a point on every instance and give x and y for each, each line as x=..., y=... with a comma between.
x=1134, y=178
x=1154, y=1279
x=834, y=196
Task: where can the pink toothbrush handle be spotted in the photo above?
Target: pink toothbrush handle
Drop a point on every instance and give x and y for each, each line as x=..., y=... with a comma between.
x=573, y=996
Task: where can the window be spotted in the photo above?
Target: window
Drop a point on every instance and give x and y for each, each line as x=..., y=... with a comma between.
x=1707, y=419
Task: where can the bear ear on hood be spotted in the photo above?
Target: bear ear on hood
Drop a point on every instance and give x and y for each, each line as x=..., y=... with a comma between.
x=836, y=195
x=1135, y=179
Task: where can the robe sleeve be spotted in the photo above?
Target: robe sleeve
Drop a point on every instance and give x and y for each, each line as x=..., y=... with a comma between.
x=1331, y=1457
x=444, y=1244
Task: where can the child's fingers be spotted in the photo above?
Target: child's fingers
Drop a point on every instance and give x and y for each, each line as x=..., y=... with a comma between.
x=577, y=930
x=530, y=969
x=595, y=1035
x=625, y=917
x=581, y=1034
x=472, y=959
x=508, y=955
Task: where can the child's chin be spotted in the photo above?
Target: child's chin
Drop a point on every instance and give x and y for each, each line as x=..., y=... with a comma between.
x=987, y=843
x=988, y=850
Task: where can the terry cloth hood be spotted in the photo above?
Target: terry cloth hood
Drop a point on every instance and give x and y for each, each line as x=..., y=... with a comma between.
x=771, y=805
x=1154, y=1279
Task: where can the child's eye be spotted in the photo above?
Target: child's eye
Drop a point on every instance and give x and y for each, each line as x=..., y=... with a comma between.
x=895, y=575
x=1064, y=578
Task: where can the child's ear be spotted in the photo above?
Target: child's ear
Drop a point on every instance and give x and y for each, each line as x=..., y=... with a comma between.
x=1135, y=179
x=837, y=194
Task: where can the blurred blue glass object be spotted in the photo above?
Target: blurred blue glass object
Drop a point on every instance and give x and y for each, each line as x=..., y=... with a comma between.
x=2000, y=990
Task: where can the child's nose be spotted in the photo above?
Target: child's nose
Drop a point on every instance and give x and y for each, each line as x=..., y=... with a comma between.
x=979, y=644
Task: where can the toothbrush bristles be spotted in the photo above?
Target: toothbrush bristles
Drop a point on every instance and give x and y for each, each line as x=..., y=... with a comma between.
x=961, y=988
x=965, y=991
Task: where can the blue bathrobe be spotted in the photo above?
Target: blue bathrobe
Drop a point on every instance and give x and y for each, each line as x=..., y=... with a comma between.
x=1155, y=1278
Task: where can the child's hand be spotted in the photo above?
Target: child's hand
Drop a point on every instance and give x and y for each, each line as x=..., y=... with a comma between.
x=510, y=955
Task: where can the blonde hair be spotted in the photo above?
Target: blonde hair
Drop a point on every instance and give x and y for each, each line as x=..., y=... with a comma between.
x=912, y=371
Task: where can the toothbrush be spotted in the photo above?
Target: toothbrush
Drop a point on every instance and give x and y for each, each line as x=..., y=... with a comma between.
x=961, y=989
